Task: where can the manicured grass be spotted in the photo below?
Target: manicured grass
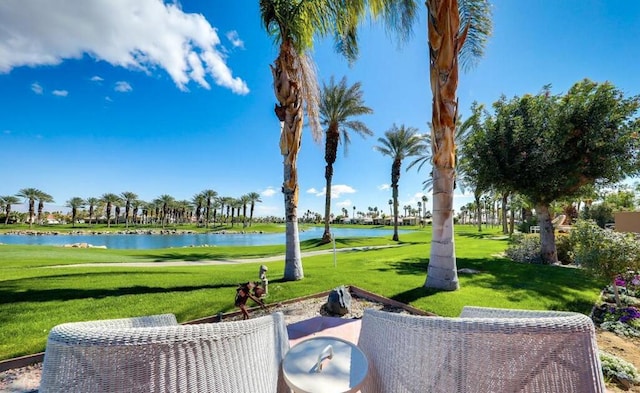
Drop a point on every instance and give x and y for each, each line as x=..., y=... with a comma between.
x=34, y=296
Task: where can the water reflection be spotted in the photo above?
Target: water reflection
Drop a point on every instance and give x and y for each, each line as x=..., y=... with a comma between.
x=116, y=241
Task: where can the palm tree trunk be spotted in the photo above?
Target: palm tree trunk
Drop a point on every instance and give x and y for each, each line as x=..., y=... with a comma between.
x=31, y=212
x=442, y=272
x=328, y=174
x=395, y=177
x=289, y=111
x=444, y=44
x=547, y=235
x=7, y=211
x=331, y=148
x=253, y=205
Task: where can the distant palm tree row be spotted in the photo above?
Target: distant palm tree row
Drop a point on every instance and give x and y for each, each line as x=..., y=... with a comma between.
x=202, y=209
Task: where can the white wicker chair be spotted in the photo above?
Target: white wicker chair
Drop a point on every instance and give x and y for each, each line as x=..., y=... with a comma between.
x=485, y=350
x=155, y=354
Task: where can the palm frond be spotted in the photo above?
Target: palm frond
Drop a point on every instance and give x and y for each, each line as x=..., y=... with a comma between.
x=475, y=22
x=311, y=94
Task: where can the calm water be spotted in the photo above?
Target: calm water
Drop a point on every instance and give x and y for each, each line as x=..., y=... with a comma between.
x=186, y=240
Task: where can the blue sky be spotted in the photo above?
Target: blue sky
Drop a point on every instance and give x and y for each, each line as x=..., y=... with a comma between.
x=153, y=98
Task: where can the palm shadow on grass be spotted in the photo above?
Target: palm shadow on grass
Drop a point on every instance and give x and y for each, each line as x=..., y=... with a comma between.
x=12, y=292
x=201, y=256
x=483, y=235
x=515, y=279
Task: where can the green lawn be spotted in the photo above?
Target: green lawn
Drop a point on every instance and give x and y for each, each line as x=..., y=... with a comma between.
x=35, y=296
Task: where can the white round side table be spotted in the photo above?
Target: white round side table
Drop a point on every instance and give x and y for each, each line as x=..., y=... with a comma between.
x=325, y=365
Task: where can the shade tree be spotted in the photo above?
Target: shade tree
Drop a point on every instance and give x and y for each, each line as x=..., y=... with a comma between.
x=546, y=147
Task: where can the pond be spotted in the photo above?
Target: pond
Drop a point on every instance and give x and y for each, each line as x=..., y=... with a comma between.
x=143, y=241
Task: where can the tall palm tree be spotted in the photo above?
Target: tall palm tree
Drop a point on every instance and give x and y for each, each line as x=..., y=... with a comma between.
x=7, y=201
x=135, y=206
x=30, y=195
x=209, y=196
x=236, y=204
x=338, y=105
x=398, y=143
x=424, y=203
x=254, y=197
x=457, y=30
x=92, y=202
x=182, y=208
x=128, y=197
x=166, y=203
x=293, y=25
x=75, y=203
x=109, y=199
x=198, y=201
x=245, y=200
x=43, y=198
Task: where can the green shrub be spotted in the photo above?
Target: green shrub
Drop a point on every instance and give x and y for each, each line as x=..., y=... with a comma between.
x=525, y=249
x=605, y=253
x=565, y=249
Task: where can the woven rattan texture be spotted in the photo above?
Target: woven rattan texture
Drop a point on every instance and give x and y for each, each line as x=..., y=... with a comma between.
x=485, y=350
x=155, y=354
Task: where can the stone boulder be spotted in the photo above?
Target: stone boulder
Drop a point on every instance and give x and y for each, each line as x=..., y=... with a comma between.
x=339, y=301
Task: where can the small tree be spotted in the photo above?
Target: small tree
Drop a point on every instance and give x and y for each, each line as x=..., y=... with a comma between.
x=548, y=147
x=604, y=253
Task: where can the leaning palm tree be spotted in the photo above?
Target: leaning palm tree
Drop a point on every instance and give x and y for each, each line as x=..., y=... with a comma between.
x=75, y=203
x=7, y=201
x=128, y=197
x=338, y=105
x=109, y=199
x=399, y=143
x=254, y=198
x=456, y=30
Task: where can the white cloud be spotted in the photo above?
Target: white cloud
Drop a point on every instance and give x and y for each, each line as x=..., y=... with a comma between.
x=383, y=187
x=235, y=39
x=123, y=87
x=36, y=88
x=136, y=34
x=336, y=190
x=269, y=192
x=96, y=78
x=60, y=93
x=344, y=203
x=108, y=99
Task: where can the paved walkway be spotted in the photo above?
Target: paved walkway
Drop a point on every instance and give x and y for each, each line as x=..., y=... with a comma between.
x=273, y=258
x=348, y=329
